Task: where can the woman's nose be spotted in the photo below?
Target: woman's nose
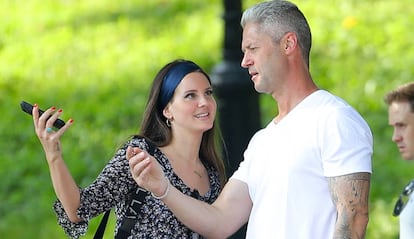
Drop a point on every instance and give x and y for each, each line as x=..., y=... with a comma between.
x=202, y=101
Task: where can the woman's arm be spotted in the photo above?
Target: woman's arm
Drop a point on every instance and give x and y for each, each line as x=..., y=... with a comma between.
x=219, y=220
x=64, y=185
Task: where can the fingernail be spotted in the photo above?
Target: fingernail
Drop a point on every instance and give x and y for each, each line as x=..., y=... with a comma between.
x=53, y=108
x=70, y=121
x=60, y=111
x=34, y=105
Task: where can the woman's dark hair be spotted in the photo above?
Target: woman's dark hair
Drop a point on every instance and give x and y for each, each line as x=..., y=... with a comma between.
x=154, y=127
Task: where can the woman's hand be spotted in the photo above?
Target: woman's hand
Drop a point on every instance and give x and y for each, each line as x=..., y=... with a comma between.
x=146, y=171
x=49, y=138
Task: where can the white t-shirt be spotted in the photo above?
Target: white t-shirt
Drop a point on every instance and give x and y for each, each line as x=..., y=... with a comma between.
x=286, y=164
x=407, y=219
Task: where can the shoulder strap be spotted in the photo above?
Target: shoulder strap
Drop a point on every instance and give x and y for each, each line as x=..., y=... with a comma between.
x=135, y=203
x=101, y=228
x=137, y=200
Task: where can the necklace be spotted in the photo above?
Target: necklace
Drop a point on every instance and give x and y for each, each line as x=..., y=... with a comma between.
x=197, y=173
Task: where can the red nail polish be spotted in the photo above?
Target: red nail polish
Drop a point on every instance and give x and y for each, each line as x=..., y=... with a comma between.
x=53, y=108
x=60, y=111
x=70, y=121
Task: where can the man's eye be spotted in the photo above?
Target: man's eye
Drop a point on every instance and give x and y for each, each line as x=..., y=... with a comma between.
x=252, y=48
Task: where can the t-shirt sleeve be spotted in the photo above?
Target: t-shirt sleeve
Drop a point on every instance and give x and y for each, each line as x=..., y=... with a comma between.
x=346, y=143
x=245, y=167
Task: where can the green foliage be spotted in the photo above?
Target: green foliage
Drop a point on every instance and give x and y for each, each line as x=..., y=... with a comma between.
x=96, y=59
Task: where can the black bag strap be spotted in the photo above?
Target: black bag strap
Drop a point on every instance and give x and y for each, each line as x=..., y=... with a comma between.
x=101, y=228
x=124, y=231
x=131, y=215
x=134, y=207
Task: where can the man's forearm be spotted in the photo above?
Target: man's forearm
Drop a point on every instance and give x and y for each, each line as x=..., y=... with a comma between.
x=350, y=193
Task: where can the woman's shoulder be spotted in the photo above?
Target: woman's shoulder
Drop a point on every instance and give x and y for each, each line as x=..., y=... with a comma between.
x=148, y=145
x=142, y=143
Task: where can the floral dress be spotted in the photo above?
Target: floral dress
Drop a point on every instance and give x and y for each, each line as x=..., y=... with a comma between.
x=114, y=185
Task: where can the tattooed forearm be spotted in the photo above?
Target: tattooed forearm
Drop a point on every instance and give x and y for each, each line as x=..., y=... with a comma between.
x=352, y=185
x=350, y=194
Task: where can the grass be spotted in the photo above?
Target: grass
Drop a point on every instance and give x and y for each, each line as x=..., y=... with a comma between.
x=96, y=59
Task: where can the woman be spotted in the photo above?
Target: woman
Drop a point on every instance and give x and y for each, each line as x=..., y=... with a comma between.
x=179, y=123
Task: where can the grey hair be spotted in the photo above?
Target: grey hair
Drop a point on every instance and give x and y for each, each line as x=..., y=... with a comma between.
x=277, y=18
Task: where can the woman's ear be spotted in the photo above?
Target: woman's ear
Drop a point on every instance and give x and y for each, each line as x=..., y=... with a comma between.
x=166, y=112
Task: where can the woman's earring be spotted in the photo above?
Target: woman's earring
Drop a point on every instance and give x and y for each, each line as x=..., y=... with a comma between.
x=168, y=122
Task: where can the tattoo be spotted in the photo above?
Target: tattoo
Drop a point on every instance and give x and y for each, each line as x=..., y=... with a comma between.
x=57, y=147
x=350, y=194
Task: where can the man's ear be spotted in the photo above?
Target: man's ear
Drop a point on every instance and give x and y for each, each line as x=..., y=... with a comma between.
x=290, y=42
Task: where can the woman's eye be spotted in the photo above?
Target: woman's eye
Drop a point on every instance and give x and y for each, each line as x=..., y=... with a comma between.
x=189, y=96
x=209, y=92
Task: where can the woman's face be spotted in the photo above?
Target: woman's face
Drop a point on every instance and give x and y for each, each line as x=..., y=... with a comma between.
x=192, y=106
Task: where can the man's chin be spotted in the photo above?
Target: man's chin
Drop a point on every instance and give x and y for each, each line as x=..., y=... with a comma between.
x=260, y=90
x=408, y=157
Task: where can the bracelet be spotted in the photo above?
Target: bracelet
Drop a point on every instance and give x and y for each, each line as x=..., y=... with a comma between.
x=166, y=191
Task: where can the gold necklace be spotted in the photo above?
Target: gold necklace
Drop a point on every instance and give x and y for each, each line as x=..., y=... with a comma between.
x=197, y=173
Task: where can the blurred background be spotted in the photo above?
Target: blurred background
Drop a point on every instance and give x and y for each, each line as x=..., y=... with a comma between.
x=96, y=60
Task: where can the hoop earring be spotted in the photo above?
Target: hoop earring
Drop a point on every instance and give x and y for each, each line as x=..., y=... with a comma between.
x=168, y=122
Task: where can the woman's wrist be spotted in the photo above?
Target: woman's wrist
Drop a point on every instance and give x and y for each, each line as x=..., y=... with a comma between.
x=164, y=195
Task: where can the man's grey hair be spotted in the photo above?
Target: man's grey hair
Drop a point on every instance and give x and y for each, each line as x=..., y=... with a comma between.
x=276, y=18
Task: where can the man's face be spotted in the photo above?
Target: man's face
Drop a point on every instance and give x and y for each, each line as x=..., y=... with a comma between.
x=401, y=118
x=263, y=59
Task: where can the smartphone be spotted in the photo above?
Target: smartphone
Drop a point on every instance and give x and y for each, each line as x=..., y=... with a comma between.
x=28, y=108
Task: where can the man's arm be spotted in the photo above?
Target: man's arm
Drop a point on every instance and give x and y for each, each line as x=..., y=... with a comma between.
x=225, y=216
x=350, y=193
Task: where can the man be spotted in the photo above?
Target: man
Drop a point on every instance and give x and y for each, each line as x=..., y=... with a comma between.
x=401, y=117
x=307, y=173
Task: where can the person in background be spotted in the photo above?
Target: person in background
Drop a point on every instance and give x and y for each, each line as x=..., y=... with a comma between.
x=179, y=120
x=307, y=173
x=401, y=117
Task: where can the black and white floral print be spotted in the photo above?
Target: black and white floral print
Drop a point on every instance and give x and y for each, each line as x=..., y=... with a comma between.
x=113, y=187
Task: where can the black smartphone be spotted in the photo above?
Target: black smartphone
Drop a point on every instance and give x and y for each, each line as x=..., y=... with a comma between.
x=28, y=108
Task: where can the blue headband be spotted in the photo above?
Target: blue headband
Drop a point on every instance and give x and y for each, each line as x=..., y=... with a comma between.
x=172, y=79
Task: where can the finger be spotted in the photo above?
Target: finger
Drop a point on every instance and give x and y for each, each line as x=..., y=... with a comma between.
x=137, y=150
x=128, y=153
x=38, y=120
x=35, y=114
x=145, y=171
x=62, y=130
x=138, y=166
x=44, y=117
x=136, y=159
x=132, y=151
x=53, y=117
